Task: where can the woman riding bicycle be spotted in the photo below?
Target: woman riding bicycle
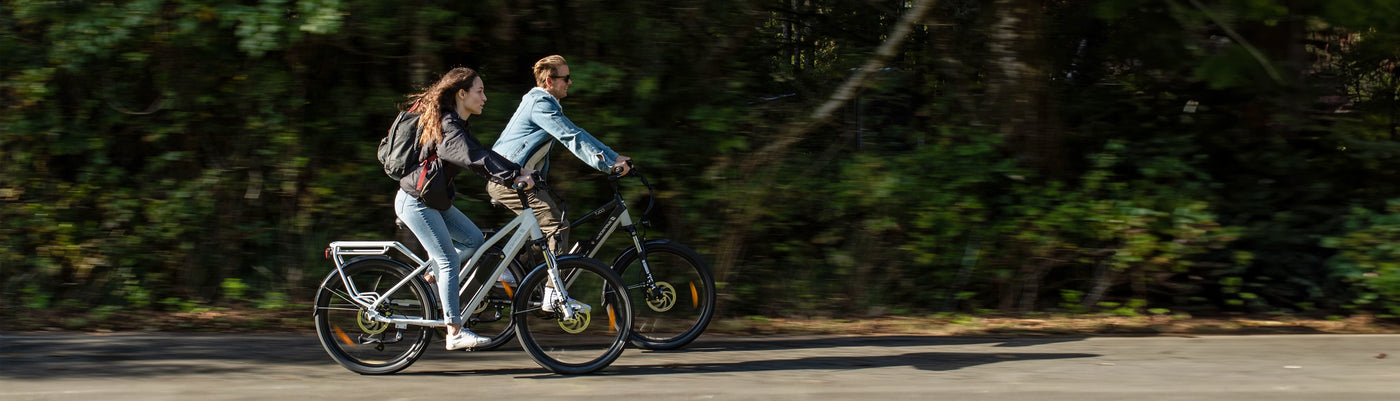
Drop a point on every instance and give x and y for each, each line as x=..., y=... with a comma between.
x=424, y=199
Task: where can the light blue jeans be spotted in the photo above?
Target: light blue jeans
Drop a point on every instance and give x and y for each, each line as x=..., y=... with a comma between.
x=450, y=239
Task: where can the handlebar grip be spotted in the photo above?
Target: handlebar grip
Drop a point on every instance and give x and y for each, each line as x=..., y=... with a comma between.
x=617, y=168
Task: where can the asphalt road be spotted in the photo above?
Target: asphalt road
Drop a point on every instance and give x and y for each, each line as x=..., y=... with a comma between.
x=161, y=366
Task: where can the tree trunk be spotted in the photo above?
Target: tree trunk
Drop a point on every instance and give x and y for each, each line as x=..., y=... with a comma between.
x=1031, y=277
x=1103, y=278
x=750, y=201
x=422, y=54
x=1017, y=89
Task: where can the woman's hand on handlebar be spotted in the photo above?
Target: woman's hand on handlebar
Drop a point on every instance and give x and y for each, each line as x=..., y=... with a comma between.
x=622, y=165
x=526, y=177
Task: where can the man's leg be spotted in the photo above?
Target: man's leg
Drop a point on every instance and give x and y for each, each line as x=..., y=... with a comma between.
x=546, y=211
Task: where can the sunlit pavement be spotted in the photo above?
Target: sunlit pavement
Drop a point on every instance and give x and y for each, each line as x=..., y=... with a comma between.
x=152, y=366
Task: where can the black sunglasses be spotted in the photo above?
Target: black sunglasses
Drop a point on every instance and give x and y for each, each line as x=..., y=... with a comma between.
x=565, y=77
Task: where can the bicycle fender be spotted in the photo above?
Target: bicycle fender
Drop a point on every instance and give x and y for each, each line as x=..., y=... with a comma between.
x=335, y=273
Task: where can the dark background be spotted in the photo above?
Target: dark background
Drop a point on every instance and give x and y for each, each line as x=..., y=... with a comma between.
x=1137, y=157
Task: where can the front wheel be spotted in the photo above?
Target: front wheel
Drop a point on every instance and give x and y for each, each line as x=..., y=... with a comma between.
x=362, y=345
x=594, y=337
x=673, y=294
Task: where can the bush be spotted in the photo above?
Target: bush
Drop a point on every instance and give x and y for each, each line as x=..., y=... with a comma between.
x=1368, y=259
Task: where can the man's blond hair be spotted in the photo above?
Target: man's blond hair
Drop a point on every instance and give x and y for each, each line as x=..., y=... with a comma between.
x=547, y=67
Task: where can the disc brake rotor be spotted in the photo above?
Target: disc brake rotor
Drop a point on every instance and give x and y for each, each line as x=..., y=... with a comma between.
x=482, y=307
x=370, y=326
x=578, y=325
x=663, y=298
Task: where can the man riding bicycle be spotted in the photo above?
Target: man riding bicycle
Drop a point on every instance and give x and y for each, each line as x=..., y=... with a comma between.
x=526, y=141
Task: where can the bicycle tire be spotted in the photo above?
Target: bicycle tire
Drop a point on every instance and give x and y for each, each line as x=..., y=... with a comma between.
x=584, y=345
x=663, y=319
x=376, y=348
x=494, y=318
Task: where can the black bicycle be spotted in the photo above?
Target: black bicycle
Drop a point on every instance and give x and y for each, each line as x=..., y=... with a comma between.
x=672, y=289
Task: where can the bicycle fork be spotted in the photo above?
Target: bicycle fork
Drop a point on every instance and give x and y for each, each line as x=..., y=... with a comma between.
x=650, y=290
x=555, y=281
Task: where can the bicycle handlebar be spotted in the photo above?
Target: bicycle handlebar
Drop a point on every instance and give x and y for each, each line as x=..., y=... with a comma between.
x=617, y=169
x=616, y=176
x=520, y=186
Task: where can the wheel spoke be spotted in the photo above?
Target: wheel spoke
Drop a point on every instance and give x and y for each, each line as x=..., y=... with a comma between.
x=582, y=344
x=663, y=320
x=363, y=345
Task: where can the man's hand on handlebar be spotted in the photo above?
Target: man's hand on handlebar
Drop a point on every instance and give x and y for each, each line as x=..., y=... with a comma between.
x=622, y=165
x=526, y=177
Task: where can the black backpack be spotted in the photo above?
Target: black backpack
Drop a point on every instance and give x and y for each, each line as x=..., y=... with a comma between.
x=398, y=151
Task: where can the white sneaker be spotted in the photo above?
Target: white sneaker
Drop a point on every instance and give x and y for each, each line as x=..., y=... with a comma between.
x=466, y=339
x=507, y=279
x=552, y=298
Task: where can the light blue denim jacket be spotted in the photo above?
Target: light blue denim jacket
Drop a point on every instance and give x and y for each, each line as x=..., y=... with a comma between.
x=526, y=139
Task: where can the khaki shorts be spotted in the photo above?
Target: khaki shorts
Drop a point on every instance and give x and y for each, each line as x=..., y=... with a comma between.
x=546, y=211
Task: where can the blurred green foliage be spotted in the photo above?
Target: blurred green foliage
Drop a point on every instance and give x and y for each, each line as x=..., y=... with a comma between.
x=1368, y=258
x=1128, y=156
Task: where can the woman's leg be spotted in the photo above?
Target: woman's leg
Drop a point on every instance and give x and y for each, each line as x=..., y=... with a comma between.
x=432, y=231
x=466, y=235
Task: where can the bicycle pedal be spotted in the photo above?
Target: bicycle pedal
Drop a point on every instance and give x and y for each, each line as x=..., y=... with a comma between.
x=378, y=338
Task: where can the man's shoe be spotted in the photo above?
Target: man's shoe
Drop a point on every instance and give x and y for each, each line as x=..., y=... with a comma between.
x=552, y=298
x=466, y=339
x=506, y=279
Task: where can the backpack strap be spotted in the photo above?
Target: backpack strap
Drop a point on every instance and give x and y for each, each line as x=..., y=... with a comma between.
x=422, y=177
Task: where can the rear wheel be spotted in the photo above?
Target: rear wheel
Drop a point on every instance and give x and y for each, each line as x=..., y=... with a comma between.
x=588, y=341
x=673, y=295
x=358, y=343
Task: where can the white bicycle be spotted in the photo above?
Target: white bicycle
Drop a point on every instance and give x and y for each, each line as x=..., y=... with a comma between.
x=375, y=314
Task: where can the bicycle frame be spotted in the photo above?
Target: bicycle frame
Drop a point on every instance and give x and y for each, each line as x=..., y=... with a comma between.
x=523, y=229
x=617, y=217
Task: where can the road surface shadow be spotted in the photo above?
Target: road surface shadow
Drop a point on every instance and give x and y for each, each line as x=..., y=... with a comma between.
x=723, y=343
x=37, y=356
x=139, y=355
x=930, y=361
